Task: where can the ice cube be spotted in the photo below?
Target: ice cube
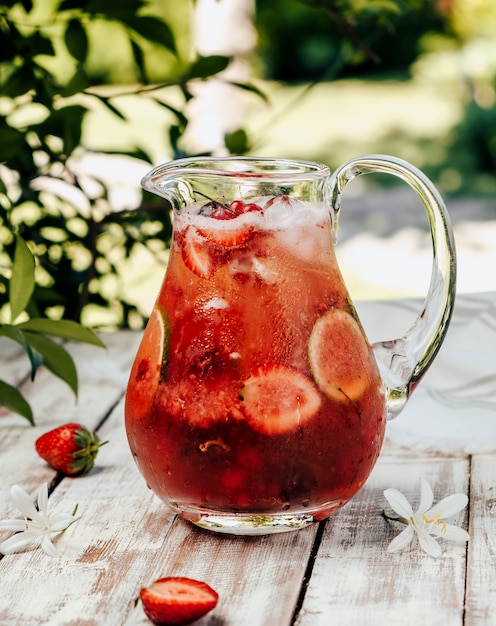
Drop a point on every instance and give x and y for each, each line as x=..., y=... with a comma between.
x=264, y=272
x=248, y=267
x=216, y=303
x=279, y=212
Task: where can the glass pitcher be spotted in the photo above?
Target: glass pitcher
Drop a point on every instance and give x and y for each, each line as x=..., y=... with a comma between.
x=255, y=403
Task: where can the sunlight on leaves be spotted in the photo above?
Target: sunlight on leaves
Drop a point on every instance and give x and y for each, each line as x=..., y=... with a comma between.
x=22, y=280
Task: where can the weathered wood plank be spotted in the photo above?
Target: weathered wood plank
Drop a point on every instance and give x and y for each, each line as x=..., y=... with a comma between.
x=103, y=375
x=258, y=578
x=126, y=537
x=355, y=581
x=105, y=555
x=481, y=570
x=125, y=540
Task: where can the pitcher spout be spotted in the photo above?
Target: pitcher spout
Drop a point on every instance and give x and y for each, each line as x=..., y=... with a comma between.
x=165, y=182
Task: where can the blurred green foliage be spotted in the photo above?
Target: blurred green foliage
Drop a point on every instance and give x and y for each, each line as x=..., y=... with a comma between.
x=54, y=56
x=59, y=57
x=58, y=61
x=59, y=237
x=298, y=43
x=449, y=44
x=73, y=232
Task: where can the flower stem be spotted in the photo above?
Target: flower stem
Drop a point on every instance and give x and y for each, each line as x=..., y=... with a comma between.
x=386, y=515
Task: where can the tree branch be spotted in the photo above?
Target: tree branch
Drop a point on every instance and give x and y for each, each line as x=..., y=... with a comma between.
x=345, y=28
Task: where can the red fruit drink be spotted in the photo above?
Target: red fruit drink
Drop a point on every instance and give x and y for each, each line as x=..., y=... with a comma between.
x=254, y=403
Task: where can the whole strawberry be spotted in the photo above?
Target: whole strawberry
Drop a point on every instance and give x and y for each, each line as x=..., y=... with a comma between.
x=70, y=448
x=177, y=600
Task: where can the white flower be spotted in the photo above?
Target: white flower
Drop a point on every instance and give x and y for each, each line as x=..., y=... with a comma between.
x=428, y=521
x=35, y=528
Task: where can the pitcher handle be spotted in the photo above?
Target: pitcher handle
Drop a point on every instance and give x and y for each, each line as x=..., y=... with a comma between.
x=403, y=361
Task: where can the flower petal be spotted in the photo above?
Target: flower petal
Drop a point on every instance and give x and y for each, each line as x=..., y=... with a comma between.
x=43, y=499
x=449, y=506
x=23, y=502
x=61, y=521
x=426, y=497
x=429, y=544
x=48, y=547
x=450, y=533
x=15, y=525
x=402, y=540
x=17, y=543
x=398, y=503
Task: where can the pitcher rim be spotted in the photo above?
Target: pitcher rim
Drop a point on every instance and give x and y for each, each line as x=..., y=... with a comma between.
x=296, y=168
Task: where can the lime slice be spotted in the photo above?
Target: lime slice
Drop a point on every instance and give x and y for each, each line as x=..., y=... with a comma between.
x=149, y=365
x=277, y=399
x=339, y=356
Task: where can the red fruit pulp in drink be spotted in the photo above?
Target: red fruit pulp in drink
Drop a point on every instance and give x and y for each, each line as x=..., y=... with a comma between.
x=233, y=420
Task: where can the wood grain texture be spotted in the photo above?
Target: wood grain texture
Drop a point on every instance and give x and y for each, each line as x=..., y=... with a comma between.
x=481, y=571
x=125, y=538
x=103, y=377
x=356, y=581
x=335, y=573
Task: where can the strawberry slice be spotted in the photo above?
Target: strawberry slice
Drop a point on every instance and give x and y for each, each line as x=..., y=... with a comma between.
x=278, y=399
x=238, y=207
x=223, y=213
x=230, y=211
x=228, y=236
x=177, y=600
x=195, y=256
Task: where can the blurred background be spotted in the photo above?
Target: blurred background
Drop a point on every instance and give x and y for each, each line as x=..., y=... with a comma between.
x=94, y=93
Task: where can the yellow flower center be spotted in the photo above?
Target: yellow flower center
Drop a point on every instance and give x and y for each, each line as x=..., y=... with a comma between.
x=436, y=520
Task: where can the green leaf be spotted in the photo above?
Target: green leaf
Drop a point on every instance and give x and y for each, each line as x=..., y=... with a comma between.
x=182, y=119
x=12, y=143
x=55, y=358
x=203, y=67
x=135, y=153
x=13, y=332
x=22, y=280
x=78, y=82
x=39, y=44
x=175, y=134
x=237, y=142
x=68, y=5
x=76, y=40
x=106, y=101
x=112, y=9
x=251, y=88
x=139, y=60
x=65, y=329
x=20, y=81
x=378, y=5
x=11, y=398
x=65, y=123
x=153, y=29
x=27, y=4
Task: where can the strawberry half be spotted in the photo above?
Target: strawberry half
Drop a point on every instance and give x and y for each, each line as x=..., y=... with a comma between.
x=195, y=256
x=177, y=600
x=228, y=236
x=278, y=399
x=70, y=448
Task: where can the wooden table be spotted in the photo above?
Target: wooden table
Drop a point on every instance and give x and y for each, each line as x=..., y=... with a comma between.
x=336, y=572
